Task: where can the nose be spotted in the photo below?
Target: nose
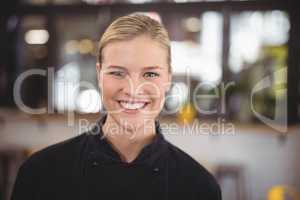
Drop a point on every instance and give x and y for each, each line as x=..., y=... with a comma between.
x=133, y=86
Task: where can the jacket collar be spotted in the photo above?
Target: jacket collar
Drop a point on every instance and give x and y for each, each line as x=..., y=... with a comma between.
x=152, y=155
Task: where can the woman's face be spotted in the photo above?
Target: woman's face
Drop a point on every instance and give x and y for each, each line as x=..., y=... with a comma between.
x=133, y=79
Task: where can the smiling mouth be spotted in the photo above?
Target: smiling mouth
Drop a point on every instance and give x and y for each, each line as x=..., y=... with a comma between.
x=133, y=105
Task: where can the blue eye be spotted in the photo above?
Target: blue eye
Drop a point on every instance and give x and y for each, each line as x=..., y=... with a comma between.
x=151, y=74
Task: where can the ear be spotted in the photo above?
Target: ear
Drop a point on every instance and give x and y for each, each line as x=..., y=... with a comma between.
x=98, y=67
x=168, y=87
x=98, y=70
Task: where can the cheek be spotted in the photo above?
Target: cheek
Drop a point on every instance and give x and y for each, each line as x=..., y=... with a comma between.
x=157, y=90
x=108, y=90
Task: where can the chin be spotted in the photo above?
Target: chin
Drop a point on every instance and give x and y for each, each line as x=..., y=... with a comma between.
x=131, y=123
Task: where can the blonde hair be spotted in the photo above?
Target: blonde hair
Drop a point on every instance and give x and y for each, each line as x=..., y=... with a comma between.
x=131, y=26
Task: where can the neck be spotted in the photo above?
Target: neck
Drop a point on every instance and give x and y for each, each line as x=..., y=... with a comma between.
x=128, y=142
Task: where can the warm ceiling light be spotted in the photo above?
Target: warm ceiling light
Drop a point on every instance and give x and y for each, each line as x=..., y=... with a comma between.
x=37, y=36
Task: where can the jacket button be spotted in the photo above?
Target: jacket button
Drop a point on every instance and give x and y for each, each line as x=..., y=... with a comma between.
x=156, y=169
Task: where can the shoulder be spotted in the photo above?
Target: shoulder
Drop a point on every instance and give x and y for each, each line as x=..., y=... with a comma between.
x=183, y=160
x=194, y=173
x=61, y=152
x=46, y=166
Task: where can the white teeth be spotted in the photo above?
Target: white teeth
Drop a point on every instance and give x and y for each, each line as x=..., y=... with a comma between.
x=132, y=106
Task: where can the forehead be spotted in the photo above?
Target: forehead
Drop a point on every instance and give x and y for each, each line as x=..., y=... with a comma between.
x=138, y=52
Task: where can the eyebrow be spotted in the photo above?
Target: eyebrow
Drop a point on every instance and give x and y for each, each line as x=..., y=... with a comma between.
x=152, y=67
x=115, y=66
x=124, y=68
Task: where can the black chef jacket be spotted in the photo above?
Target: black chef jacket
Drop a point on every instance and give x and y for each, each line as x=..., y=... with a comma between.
x=86, y=167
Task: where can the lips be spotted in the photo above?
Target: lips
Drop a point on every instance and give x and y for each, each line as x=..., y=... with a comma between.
x=133, y=105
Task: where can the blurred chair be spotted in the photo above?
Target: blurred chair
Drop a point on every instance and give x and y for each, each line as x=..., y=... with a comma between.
x=232, y=182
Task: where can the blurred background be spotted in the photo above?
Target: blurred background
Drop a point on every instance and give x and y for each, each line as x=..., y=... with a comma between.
x=240, y=59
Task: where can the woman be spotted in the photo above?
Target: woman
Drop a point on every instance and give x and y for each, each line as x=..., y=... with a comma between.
x=125, y=156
